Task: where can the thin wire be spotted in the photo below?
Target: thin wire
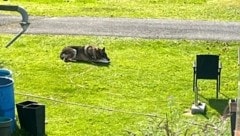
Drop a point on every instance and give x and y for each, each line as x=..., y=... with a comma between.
x=88, y=106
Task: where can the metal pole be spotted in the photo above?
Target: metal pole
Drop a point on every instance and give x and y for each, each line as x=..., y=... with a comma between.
x=196, y=95
x=24, y=23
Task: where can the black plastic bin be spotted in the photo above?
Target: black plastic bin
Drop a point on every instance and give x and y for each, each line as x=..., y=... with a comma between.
x=21, y=114
x=32, y=117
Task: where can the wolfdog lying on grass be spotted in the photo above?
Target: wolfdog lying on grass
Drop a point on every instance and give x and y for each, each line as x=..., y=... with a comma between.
x=84, y=54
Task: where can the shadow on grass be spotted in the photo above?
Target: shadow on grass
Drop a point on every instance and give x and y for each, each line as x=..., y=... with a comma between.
x=20, y=132
x=218, y=104
x=93, y=63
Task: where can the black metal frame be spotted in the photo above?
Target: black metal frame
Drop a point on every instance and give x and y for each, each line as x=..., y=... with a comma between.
x=24, y=23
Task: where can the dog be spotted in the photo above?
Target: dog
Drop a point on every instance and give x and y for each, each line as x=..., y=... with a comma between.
x=86, y=53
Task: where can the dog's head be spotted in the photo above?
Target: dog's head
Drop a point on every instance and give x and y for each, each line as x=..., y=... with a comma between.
x=101, y=55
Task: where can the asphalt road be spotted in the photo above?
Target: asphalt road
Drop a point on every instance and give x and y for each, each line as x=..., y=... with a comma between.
x=125, y=27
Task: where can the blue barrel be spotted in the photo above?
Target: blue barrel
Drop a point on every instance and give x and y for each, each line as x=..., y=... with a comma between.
x=5, y=73
x=5, y=126
x=7, y=102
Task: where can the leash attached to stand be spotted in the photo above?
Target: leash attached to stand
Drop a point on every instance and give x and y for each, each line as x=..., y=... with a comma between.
x=24, y=23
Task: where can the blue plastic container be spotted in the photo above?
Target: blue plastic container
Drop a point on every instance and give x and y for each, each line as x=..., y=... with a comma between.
x=5, y=126
x=7, y=102
x=5, y=73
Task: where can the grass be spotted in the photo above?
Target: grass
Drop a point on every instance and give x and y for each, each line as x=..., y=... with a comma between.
x=146, y=77
x=180, y=9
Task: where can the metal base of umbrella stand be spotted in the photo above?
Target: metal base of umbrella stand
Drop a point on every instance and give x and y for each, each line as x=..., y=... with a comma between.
x=24, y=23
x=198, y=107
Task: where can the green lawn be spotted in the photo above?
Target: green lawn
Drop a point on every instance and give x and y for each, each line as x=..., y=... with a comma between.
x=179, y=9
x=146, y=77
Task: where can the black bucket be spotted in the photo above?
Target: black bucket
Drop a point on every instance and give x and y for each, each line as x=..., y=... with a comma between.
x=32, y=117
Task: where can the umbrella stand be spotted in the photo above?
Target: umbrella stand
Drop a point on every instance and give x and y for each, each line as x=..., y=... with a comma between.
x=198, y=107
x=24, y=23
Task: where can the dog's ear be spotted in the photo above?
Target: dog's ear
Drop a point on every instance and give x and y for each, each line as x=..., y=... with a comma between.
x=103, y=49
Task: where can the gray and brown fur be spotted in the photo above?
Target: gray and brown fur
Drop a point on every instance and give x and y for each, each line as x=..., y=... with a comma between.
x=84, y=53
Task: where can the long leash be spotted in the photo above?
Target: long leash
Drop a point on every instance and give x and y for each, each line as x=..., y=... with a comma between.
x=88, y=106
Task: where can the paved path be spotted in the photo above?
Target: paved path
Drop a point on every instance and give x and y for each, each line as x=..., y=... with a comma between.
x=125, y=27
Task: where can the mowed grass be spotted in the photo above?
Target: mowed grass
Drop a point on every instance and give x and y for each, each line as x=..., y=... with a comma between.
x=145, y=78
x=178, y=9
